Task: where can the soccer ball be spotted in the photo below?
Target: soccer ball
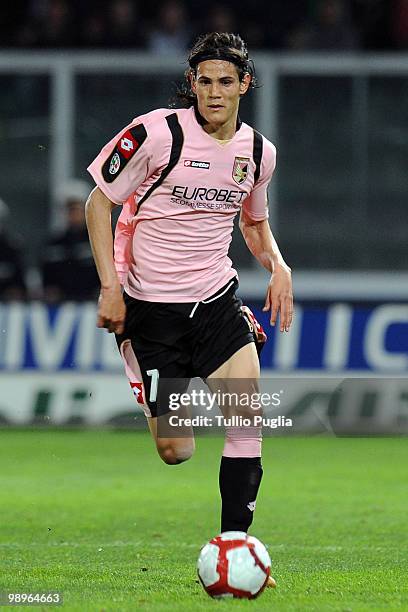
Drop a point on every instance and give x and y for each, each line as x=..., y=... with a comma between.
x=234, y=564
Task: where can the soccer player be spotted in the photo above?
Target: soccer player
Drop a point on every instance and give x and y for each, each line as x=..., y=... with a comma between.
x=184, y=174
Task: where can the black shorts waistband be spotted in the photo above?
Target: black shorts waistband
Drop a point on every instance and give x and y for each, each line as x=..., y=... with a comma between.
x=231, y=285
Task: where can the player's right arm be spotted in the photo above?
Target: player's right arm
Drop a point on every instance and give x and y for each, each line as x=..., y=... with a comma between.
x=111, y=307
x=122, y=242
x=119, y=169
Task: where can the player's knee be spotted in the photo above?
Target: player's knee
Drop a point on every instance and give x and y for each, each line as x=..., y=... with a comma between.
x=175, y=454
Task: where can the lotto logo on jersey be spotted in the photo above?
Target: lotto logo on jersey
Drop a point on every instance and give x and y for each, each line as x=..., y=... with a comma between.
x=189, y=163
x=127, y=145
x=137, y=389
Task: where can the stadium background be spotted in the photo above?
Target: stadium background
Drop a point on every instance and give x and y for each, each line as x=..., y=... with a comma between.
x=333, y=95
x=92, y=511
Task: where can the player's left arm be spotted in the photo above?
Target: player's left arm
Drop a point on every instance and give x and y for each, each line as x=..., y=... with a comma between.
x=262, y=244
x=258, y=236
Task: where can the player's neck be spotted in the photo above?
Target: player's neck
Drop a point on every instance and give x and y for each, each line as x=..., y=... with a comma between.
x=225, y=131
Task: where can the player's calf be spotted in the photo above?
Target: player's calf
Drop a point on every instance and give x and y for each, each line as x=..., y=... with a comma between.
x=239, y=482
x=240, y=477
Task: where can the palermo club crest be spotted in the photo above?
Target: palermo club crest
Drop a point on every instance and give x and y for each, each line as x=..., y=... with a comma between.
x=240, y=169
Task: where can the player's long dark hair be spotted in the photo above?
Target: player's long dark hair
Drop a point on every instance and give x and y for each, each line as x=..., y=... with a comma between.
x=215, y=45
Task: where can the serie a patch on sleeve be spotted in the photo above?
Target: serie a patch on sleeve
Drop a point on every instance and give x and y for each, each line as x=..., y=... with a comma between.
x=124, y=150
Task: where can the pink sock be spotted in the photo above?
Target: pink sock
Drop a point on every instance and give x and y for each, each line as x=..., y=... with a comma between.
x=242, y=442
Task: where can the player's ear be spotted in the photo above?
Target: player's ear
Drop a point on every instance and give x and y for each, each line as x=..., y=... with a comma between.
x=245, y=83
x=191, y=78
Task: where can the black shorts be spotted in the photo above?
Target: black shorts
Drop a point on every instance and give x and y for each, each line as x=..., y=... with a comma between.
x=180, y=340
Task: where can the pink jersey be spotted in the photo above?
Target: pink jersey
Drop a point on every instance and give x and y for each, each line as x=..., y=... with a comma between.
x=181, y=190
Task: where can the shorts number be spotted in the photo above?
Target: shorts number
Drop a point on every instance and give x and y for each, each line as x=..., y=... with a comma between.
x=155, y=381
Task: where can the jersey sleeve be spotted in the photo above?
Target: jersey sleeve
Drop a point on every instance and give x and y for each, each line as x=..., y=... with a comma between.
x=123, y=238
x=256, y=204
x=123, y=164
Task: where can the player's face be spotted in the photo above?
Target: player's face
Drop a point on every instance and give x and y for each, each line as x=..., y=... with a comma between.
x=218, y=90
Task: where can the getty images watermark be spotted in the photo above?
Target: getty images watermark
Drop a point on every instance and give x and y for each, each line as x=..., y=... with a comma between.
x=240, y=409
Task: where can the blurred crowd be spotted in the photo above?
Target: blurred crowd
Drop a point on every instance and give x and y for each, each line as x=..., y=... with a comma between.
x=163, y=26
x=65, y=269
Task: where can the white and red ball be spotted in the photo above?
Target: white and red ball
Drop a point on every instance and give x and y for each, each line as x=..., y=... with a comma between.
x=234, y=564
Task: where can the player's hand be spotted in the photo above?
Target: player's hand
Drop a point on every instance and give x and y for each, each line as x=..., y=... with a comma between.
x=111, y=310
x=279, y=297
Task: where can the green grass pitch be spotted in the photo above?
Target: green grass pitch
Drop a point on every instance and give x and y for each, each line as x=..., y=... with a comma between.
x=96, y=515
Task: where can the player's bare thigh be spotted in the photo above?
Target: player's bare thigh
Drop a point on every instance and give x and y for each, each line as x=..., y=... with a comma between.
x=242, y=364
x=172, y=450
x=237, y=377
